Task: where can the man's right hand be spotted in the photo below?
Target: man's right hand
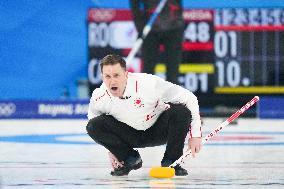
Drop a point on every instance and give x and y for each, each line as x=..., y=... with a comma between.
x=114, y=161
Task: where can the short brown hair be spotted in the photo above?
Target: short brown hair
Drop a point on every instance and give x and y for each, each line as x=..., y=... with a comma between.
x=112, y=59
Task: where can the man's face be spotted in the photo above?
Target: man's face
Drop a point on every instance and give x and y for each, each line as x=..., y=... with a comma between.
x=115, y=78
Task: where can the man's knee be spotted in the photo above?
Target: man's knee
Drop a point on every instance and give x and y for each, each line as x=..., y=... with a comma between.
x=182, y=111
x=181, y=117
x=95, y=126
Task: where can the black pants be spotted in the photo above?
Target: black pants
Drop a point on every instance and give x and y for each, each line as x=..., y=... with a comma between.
x=171, y=128
x=172, y=41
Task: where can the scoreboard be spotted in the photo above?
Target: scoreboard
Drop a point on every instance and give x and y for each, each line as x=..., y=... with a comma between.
x=228, y=52
x=249, y=49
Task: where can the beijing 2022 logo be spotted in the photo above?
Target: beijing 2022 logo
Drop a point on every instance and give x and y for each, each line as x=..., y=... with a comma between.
x=7, y=109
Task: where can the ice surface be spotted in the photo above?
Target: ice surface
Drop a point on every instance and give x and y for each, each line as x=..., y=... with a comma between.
x=59, y=154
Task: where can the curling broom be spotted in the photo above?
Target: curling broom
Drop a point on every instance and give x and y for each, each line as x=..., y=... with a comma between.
x=168, y=172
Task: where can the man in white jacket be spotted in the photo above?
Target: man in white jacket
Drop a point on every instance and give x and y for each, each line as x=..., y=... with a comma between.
x=137, y=110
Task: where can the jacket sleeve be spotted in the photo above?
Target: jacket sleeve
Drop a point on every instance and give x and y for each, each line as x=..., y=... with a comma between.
x=170, y=92
x=93, y=110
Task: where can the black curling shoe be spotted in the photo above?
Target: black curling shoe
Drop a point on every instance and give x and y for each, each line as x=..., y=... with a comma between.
x=179, y=171
x=132, y=162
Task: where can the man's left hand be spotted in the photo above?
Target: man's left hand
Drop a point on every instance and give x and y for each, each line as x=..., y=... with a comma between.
x=194, y=144
x=114, y=161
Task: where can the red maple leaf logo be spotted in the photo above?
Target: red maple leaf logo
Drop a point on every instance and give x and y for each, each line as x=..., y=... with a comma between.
x=138, y=103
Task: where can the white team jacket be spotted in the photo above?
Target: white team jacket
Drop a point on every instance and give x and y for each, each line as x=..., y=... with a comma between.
x=144, y=99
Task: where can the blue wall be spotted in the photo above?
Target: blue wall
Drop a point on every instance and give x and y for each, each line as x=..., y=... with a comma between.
x=43, y=47
x=43, y=44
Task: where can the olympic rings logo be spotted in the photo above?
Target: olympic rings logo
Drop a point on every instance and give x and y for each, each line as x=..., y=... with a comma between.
x=100, y=15
x=7, y=109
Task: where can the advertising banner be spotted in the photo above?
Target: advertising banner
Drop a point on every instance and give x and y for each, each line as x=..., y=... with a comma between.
x=31, y=109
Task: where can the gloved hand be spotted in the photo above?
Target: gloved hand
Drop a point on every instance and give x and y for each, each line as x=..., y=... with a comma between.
x=114, y=161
